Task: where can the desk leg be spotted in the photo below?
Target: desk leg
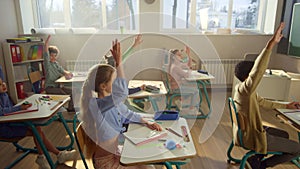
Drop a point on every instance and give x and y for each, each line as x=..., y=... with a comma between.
x=41, y=143
x=70, y=146
x=153, y=103
x=202, y=116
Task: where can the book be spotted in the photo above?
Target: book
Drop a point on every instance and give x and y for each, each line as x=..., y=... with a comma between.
x=152, y=89
x=17, y=40
x=144, y=135
x=33, y=108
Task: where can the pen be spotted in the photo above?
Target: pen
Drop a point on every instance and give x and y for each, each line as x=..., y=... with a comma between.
x=294, y=100
x=174, y=132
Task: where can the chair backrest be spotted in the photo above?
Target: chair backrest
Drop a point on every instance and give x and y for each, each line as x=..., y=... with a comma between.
x=237, y=122
x=35, y=78
x=75, y=131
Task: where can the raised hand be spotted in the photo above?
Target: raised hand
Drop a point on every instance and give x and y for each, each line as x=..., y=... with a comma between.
x=116, y=52
x=276, y=37
x=137, y=40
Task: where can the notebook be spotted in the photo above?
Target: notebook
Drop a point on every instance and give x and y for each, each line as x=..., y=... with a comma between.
x=144, y=135
x=33, y=108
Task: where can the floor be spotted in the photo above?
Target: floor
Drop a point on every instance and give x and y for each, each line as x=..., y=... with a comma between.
x=211, y=136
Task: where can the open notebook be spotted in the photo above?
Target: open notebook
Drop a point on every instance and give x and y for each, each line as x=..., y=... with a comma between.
x=144, y=135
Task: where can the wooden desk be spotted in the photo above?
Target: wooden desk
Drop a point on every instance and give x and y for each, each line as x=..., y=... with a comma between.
x=202, y=80
x=292, y=118
x=155, y=152
x=145, y=94
x=44, y=116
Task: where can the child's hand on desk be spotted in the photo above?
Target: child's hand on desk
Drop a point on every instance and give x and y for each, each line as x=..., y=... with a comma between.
x=293, y=105
x=25, y=106
x=153, y=126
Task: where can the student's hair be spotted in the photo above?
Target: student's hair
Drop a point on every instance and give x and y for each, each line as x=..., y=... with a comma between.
x=242, y=69
x=98, y=74
x=172, y=54
x=53, y=49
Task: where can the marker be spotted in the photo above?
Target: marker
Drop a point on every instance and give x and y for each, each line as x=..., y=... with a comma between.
x=174, y=132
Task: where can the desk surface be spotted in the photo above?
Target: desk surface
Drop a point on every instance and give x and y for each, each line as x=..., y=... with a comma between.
x=73, y=79
x=45, y=110
x=291, y=116
x=199, y=76
x=154, y=152
x=142, y=93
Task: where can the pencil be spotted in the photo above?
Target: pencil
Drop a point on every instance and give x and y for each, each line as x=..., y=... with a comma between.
x=174, y=132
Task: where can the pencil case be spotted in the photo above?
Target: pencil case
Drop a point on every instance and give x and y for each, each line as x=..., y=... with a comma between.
x=166, y=115
x=152, y=89
x=203, y=72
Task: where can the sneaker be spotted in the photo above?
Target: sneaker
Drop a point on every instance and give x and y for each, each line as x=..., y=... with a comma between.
x=66, y=156
x=42, y=162
x=254, y=161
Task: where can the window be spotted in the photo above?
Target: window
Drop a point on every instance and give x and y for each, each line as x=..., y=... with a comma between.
x=99, y=14
x=210, y=15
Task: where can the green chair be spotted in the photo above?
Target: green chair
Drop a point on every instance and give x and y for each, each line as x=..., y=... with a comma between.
x=26, y=151
x=239, y=127
x=75, y=129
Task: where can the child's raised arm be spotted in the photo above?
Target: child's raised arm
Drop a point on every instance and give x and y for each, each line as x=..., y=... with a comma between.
x=116, y=53
x=47, y=43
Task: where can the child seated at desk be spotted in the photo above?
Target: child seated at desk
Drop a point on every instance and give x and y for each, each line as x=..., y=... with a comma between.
x=103, y=116
x=55, y=71
x=9, y=131
x=180, y=68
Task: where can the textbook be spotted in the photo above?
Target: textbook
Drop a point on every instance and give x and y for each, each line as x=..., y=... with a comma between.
x=144, y=135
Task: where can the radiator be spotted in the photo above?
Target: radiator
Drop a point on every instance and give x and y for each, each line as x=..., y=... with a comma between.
x=80, y=65
x=222, y=70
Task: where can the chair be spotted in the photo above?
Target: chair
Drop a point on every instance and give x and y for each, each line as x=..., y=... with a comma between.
x=15, y=141
x=75, y=130
x=35, y=78
x=239, y=127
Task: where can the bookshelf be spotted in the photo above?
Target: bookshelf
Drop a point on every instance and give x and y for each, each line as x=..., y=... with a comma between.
x=19, y=58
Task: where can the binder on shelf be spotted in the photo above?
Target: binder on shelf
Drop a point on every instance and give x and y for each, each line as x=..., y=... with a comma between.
x=34, y=52
x=13, y=51
x=40, y=52
x=20, y=90
x=19, y=54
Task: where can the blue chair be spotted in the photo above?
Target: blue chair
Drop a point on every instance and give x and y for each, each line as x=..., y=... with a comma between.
x=240, y=127
x=75, y=129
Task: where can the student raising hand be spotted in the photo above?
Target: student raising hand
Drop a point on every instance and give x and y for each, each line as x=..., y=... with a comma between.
x=116, y=52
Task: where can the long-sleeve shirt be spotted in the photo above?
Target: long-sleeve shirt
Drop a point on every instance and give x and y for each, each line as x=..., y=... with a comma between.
x=6, y=105
x=53, y=71
x=179, y=70
x=108, y=114
x=248, y=103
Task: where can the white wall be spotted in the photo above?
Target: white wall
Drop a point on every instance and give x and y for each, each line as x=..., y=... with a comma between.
x=84, y=46
x=8, y=26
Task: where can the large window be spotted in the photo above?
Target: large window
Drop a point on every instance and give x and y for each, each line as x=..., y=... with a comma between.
x=210, y=15
x=99, y=14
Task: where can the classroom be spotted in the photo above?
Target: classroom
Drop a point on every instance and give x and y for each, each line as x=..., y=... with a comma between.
x=214, y=35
